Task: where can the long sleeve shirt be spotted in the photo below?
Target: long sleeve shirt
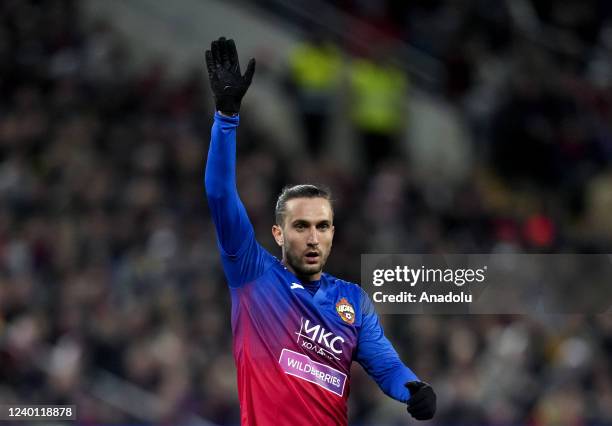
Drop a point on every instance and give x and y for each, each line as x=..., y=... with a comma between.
x=293, y=348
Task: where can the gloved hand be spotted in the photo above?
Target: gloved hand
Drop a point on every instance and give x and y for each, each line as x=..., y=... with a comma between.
x=422, y=402
x=227, y=84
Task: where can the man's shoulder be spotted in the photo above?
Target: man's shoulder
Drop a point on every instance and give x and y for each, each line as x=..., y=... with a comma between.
x=348, y=285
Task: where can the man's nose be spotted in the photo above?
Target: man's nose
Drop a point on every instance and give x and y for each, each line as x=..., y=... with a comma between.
x=313, y=237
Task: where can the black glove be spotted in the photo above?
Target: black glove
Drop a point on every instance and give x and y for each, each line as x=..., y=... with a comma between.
x=227, y=85
x=422, y=402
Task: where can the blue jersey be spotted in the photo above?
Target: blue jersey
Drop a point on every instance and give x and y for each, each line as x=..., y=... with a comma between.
x=293, y=349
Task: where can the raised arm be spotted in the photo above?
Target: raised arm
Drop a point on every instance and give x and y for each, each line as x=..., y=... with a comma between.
x=228, y=213
x=380, y=360
x=243, y=258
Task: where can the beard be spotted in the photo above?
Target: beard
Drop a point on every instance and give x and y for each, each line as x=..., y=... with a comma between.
x=300, y=267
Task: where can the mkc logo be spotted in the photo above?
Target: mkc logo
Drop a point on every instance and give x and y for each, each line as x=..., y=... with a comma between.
x=315, y=338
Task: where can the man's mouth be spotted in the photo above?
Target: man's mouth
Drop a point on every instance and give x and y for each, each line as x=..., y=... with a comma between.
x=312, y=257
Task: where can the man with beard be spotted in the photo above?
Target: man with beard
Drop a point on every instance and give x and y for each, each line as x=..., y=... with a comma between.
x=296, y=329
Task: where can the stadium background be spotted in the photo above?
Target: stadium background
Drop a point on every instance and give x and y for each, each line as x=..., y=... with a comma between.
x=498, y=123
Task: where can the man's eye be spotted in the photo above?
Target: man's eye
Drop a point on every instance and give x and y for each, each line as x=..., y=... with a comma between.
x=300, y=226
x=324, y=226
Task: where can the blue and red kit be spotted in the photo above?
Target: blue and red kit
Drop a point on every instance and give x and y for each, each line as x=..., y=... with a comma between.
x=294, y=342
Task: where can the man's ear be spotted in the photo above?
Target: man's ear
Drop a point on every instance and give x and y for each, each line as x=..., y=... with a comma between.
x=277, y=232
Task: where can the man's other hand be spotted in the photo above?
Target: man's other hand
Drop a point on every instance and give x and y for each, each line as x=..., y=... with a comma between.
x=422, y=402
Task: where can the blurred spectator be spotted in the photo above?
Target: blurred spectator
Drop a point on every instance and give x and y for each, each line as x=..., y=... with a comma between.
x=377, y=105
x=314, y=76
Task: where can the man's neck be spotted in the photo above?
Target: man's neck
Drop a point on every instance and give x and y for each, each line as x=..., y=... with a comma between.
x=301, y=277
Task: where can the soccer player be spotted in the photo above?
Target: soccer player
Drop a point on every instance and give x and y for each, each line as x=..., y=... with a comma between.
x=296, y=329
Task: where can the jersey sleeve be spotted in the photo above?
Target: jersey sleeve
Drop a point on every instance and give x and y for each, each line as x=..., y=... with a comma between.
x=243, y=257
x=378, y=357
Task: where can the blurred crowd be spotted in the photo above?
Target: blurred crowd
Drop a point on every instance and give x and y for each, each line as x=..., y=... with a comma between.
x=108, y=261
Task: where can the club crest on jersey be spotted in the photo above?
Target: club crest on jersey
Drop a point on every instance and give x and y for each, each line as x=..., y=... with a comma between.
x=345, y=310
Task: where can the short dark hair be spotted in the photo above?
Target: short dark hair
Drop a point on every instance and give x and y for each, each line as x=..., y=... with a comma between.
x=290, y=192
